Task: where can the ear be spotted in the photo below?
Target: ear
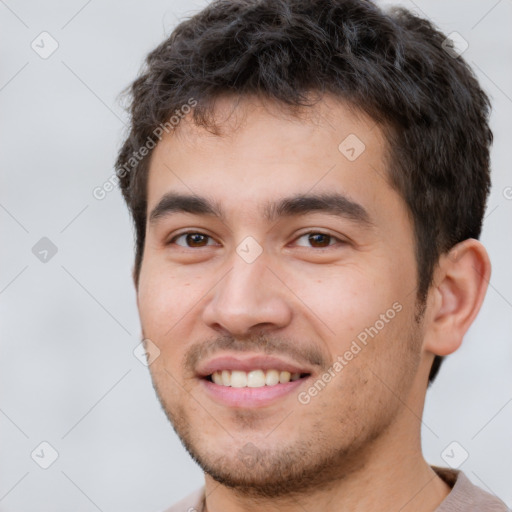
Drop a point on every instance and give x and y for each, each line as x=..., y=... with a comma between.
x=458, y=290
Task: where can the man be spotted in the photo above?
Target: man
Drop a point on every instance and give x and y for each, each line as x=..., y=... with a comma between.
x=307, y=180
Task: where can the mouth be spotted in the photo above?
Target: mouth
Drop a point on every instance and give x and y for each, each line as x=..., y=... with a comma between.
x=251, y=382
x=257, y=378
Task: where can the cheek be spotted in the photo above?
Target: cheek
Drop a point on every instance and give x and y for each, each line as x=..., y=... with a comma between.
x=166, y=302
x=155, y=306
x=365, y=319
x=163, y=298
x=345, y=302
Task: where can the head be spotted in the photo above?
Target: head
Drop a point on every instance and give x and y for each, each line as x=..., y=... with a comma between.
x=277, y=116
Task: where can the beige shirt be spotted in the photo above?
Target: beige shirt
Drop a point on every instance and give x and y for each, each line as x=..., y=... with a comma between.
x=464, y=496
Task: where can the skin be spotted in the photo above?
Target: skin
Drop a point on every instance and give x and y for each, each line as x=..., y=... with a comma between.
x=356, y=445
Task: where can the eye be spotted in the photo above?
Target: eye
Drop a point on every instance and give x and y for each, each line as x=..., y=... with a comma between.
x=315, y=240
x=319, y=240
x=191, y=239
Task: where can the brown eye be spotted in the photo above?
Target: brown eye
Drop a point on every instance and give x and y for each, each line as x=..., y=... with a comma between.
x=192, y=240
x=196, y=239
x=318, y=240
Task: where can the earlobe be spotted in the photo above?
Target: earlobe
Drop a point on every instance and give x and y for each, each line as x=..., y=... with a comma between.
x=460, y=283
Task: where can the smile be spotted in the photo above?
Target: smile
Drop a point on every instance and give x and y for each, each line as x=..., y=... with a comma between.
x=254, y=378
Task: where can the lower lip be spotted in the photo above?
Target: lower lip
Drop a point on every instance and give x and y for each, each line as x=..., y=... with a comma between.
x=249, y=397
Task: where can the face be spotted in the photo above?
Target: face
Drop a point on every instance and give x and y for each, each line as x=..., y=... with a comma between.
x=251, y=284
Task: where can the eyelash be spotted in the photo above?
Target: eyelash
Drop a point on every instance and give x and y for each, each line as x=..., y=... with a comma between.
x=332, y=238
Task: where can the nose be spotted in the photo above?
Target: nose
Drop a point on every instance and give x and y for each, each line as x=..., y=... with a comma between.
x=247, y=299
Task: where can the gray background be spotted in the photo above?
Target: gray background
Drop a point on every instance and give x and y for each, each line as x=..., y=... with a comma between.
x=69, y=325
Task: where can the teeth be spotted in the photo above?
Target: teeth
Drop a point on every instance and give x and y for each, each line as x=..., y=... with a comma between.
x=284, y=377
x=253, y=379
x=272, y=378
x=226, y=378
x=256, y=379
x=238, y=379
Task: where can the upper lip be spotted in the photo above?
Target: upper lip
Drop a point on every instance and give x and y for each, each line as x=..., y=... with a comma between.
x=248, y=363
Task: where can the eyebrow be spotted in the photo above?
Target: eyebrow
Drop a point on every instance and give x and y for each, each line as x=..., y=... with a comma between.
x=300, y=204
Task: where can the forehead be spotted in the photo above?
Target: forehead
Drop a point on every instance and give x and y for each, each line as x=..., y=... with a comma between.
x=262, y=152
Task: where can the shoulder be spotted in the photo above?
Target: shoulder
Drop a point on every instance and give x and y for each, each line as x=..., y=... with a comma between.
x=191, y=503
x=466, y=496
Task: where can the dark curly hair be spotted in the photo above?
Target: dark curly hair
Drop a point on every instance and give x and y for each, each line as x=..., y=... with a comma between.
x=392, y=65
